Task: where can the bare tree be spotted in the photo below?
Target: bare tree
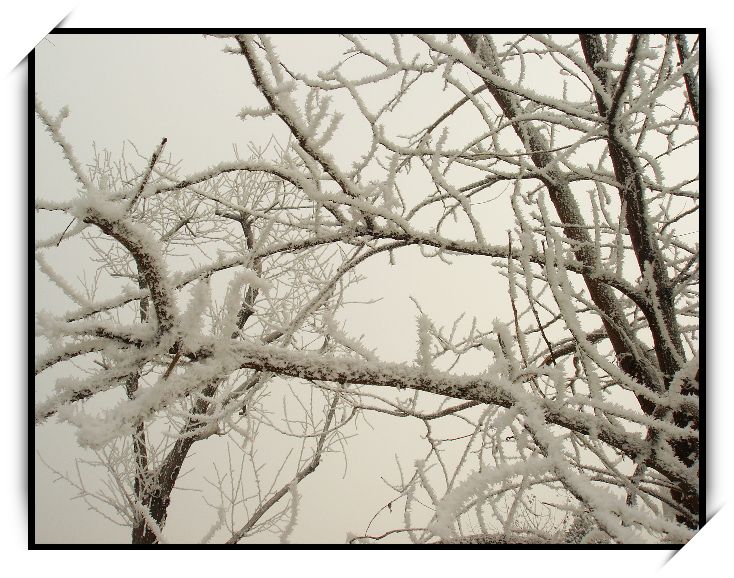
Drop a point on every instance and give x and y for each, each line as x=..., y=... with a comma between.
x=224, y=287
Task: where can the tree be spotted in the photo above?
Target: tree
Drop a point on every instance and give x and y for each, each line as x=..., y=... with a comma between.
x=567, y=164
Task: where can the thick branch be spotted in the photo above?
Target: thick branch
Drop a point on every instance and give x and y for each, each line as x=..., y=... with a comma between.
x=149, y=265
x=476, y=388
x=665, y=331
x=615, y=322
x=691, y=81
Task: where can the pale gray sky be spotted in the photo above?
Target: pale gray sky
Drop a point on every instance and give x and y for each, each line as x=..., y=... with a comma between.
x=143, y=88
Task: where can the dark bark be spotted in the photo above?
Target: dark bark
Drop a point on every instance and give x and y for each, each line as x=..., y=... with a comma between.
x=691, y=82
x=664, y=328
x=148, y=268
x=615, y=323
x=665, y=331
x=155, y=494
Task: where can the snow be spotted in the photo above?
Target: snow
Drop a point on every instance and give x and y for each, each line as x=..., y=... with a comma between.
x=361, y=207
x=424, y=357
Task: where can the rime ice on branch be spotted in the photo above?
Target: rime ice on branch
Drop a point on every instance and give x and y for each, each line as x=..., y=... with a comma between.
x=567, y=165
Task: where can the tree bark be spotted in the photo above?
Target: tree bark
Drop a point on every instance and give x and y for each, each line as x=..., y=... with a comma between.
x=666, y=334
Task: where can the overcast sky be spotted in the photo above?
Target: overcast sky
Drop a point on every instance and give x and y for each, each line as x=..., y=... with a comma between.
x=183, y=88
x=539, y=14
